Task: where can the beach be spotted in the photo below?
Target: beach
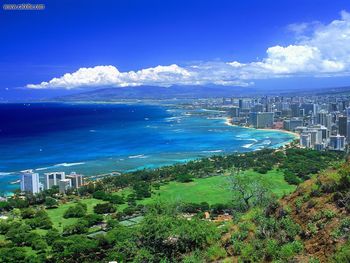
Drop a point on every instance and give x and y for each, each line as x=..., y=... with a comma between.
x=296, y=135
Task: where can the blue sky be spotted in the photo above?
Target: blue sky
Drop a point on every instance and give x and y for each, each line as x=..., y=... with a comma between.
x=194, y=43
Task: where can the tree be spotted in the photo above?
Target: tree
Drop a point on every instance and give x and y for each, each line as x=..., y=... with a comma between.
x=13, y=255
x=17, y=233
x=79, y=228
x=92, y=219
x=104, y=208
x=27, y=213
x=142, y=190
x=79, y=210
x=50, y=202
x=184, y=178
x=167, y=235
x=4, y=206
x=42, y=219
x=99, y=195
x=75, y=248
x=52, y=235
x=247, y=190
x=116, y=199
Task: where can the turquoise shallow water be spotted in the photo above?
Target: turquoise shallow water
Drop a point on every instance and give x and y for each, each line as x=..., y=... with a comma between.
x=101, y=138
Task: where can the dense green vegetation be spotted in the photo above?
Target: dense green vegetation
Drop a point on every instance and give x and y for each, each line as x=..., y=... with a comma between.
x=235, y=207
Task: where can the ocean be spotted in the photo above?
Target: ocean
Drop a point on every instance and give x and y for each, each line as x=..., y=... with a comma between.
x=102, y=138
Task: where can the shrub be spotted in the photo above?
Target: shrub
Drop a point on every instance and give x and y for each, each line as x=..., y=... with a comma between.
x=129, y=210
x=215, y=253
x=312, y=228
x=342, y=254
x=4, y=227
x=220, y=208
x=299, y=203
x=312, y=203
x=292, y=229
x=272, y=248
x=329, y=214
x=52, y=235
x=343, y=229
x=237, y=247
x=291, y=178
x=316, y=192
x=290, y=249
x=39, y=244
x=313, y=260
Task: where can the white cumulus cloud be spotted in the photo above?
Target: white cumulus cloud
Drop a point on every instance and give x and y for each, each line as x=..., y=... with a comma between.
x=319, y=50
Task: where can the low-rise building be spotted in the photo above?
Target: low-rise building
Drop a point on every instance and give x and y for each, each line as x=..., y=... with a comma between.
x=64, y=185
x=76, y=179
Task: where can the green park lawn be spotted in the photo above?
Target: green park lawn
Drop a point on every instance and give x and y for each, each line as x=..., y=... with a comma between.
x=213, y=189
x=56, y=214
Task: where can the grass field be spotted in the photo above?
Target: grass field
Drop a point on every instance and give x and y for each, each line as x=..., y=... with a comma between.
x=56, y=214
x=213, y=189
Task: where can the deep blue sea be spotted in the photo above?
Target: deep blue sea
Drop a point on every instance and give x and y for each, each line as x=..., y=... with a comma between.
x=100, y=138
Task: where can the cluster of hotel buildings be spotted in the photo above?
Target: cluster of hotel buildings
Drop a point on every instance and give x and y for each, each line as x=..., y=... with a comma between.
x=323, y=122
x=30, y=181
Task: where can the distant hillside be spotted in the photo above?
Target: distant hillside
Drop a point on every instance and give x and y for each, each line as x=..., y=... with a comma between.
x=181, y=92
x=151, y=92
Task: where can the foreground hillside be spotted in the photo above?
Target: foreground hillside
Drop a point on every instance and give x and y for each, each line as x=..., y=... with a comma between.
x=321, y=206
x=285, y=205
x=310, y=225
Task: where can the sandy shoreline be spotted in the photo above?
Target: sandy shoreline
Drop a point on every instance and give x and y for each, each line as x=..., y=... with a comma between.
x=296, y=135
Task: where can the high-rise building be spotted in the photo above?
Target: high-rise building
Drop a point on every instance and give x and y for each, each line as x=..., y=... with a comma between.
x=64, y=185
x=240, y=103
x=291, y=124
x=258, y=108
x=234, y=112
x=337, y=143
x=321, y=118
x=348, y=131
x=315, y=137
x=261, y=119
x=316, y=109
x=295, y=110
x=305, y=140
x=308, y=108
x=342, y=125
x=76, y=179
x=324, y=119
x=53, y=178
x=348, y=113
x=30, y=182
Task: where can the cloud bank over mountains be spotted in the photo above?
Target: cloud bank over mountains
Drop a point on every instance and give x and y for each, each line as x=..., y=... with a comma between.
x=320, y=50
